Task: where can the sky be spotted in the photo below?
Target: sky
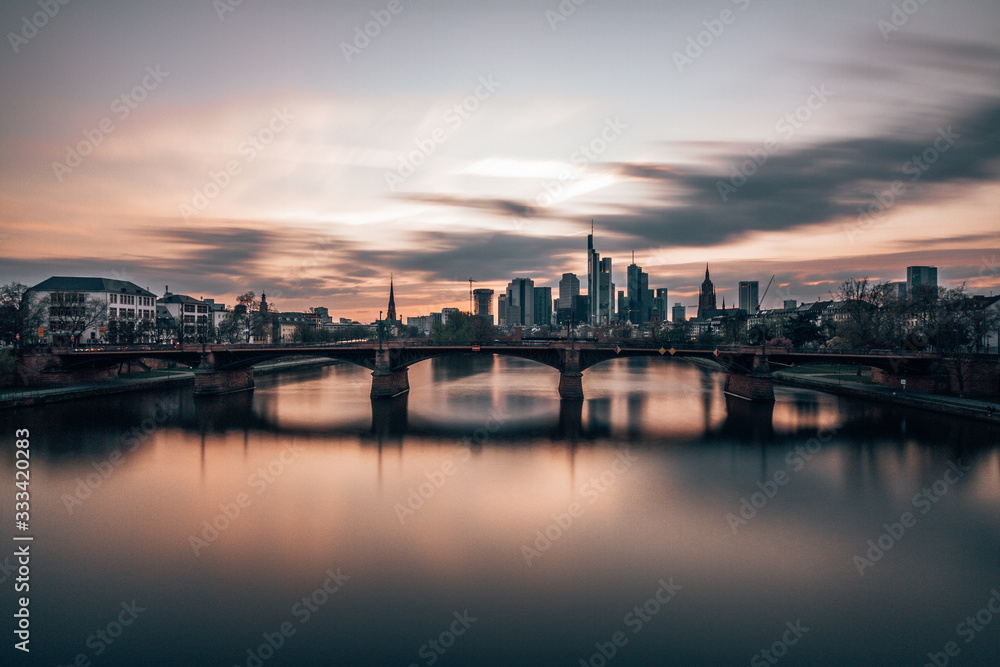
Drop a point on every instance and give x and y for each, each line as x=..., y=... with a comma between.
x=310, y=149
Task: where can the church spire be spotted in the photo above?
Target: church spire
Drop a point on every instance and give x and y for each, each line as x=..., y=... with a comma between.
x=706, y=271
x=391, y=311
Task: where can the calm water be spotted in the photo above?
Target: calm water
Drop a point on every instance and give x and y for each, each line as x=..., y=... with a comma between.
x=480, y=522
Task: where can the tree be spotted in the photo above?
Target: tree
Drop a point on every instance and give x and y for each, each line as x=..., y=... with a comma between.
x=867, y=320
x=734, y=326
x=458, y=329
x=801, y=330
x=230, y=329
x=73, y=315
x=482, y=328
x=251, y=321
x=21, y=313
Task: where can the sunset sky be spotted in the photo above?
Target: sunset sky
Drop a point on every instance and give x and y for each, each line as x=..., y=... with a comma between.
x=218, y=147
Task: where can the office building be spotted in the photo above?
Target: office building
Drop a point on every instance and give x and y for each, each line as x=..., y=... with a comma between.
x=482, y=303
x=600, y=287
x=660, y=304
x=543, y=306
x=521, y=302
x=569, y=289
x=749, y=301
x=679, y=313
x=921, y=279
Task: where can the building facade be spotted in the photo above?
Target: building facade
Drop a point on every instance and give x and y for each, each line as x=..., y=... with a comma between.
x=482, y=303
x=749, y=299
x=79, y=309
x=521, y=302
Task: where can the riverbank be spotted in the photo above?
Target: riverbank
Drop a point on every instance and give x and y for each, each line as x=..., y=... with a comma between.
x=861, y=387
x=22, y=397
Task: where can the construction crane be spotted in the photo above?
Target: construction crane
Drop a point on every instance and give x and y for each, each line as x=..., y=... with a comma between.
x=761, y=300
x=470, y=295
x=760, y=330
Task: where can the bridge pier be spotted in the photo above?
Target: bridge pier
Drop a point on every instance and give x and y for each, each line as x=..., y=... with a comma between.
x=753, y=387
x=758, y=385
x=570, y=376
x=387, y=382
x=210, y=381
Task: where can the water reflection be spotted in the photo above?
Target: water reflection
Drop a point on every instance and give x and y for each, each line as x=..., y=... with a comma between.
x=427, y=500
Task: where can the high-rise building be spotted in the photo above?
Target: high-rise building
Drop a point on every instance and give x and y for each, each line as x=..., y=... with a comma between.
x=921, y=279
x=897, y=290
x=569, y=289
x=679, y=313
x=622, y=306
x=482, y=303
x=600, y=287
x=543, y=306
x=502, y=309
x=640, y=297
x=661, y=304
x=706, y=300
x=748, y=296
x=521, y=302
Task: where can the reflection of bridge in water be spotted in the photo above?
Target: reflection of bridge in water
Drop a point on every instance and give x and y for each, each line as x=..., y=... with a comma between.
x=221, y=369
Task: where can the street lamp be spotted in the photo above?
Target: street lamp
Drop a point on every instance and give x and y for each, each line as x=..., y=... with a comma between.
x=379, y=329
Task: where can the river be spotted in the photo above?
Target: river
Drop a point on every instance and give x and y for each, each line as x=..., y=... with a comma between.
x=480, y=521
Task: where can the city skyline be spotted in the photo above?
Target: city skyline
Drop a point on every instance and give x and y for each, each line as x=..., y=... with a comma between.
x=191, y=156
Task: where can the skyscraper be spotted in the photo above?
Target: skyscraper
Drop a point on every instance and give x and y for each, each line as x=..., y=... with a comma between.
x=640, y=297
x=521, y=302
x=706, y=300
x=921, y=279
x=679, y=313
x=600, y=287
x=482, y=303
x=543, y=306
x=502, y=310
x=569, y=289
x=661, y=304
x=748, y=296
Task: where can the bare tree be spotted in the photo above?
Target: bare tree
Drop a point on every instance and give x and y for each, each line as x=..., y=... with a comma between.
x=21, y=313
x=868, y=321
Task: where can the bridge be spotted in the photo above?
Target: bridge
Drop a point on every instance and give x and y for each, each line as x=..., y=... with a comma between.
x=222, y=369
